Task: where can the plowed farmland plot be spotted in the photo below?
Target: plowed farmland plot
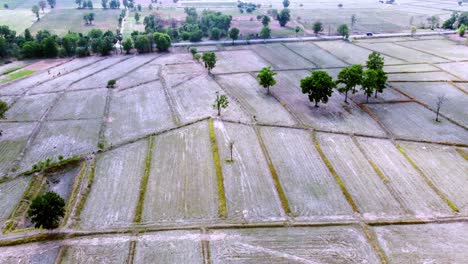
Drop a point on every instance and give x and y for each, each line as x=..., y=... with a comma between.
x=12, y=142
x=194, y=100
x=66, y=138
x=275, y=54
x=455, y=106
x=43, y=253
x=430, y=243
x=292, y=245
x=137, y=112
x=421, y=77
x=177, y=74
x=443, y=48
x=238, y=61
x=92, y=103
x=418, y=123
x=118, y=70
x=334, y=116
x=320, y=57
x=407, y=183
x=10, y=194
x=169, y=247
x=445, y=167
x=402, y=53
x=373, y=197
x=30, y=107
x=142, y=75
x=97, y=251
x=411, y=68
x=456, y=68
x=250, y=191
x=350, y=53
x=255, y=99
x=388, y=95
x=182, y=183
x=310, y=188
x=117, y=181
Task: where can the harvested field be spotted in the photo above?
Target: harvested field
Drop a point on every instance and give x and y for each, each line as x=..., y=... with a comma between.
x=388, y=95
x=30, y=107
x=141, y=75
x=288, y=245
x=182, y=182
x=445, y=167
x=402, y=53
x=310, y=188
x=238, y=61
x=421, y=77
x=255, y=99
x=92, y=103
x=454, y=107
x=275, y=54
x=456, y=68
x=410, y=68
x=250, y=191
x=30, y=253
x=320, y=57
x=429, y=243
x=117, y=180
x=419, y=123
x=374, y=199
x=96, y=251
x=81, y=137
x=10, y=194
x=407, y=183
x=137, y=112
x=350, y=53
x=443, y=48
x=13, y=141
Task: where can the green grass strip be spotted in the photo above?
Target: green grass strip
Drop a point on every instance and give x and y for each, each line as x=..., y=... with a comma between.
x=219, y=172
x=379, y=171
x=74, y=194
x=82, y=202
x=274, y=175
x=462, y=153
x=332, y=170
x=144, y=181
x=428, y=181
x=372, y=238
x=17, y=75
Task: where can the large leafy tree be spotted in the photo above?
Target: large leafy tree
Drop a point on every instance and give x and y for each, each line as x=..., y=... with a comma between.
x=343, y=30
x=46, y=210
x=283, y=17
x=369, y=82
x=350, y=77
x=127, y=45
x=265, y=33
x=318, y=86
x=209, y=59
x=266, y=78
x=318, y=27
x=375, y=61
x=221, y=101
x=162, y=41
x=234, y=34
x=49, y=47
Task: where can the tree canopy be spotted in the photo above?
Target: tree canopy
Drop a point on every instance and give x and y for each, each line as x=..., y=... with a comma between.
x=46, y=210
x=350, y=77
x=266, y=78
x=283, y=17
x=318, y=86
x=209, y=59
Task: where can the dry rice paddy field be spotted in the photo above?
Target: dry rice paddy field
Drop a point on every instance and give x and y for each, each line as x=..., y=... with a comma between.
x=153, y=181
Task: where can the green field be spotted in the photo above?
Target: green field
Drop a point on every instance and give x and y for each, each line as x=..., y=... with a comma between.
x=60, y=21
x=18, y=20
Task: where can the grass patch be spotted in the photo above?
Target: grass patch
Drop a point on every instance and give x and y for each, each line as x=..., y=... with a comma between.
x=74, y=194
x=379, y=172
x=35, y=186
x=17, y=75
x=462, y=153
x=48, y=167
x=10, y=70
x=428, y=181
x=144, y=181
x=332, y=170
x=82, y=202
x=274, y=175
x=372, y=238
x=219, y=172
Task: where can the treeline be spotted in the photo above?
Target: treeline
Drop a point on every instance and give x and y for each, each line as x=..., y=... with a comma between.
x=47, y=45
x=456, y=20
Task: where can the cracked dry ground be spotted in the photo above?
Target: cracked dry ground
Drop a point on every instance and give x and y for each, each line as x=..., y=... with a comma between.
x=376, y=182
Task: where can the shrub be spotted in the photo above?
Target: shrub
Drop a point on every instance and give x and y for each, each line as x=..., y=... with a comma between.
x=3, y=109
x=111, y=83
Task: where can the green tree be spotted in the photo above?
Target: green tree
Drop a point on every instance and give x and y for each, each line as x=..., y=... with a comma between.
x=27, y=35
x=42, y=4
x=343, y=30
x=31, y=49
x=79, y=3
x=49, y=47
x=461, y=30
x=162, y=41
x=266, y=78
x=104, y=3
x=127, y=45
x=3, y=47
x=69, y=43
x=318, y=27
x=350, y=77
x=286, y=3
x=46, y=210
x=35, y=10
x=265, y=33
x=369, y=82
x=221, y=101
x=318, y=86
x=3, y=109
x=142, y=44
x=266, y=20
x=52, y=3
x=375, y=61
x=137, y=17
x=234, y=34
x=90, y=4
x=381, y=81
x=209, y=59
x=297, y=30
x=283, y=17
x=215, y=33
x=105, y=45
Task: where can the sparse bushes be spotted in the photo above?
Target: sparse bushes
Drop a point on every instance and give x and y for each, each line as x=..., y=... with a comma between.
x=3, y=109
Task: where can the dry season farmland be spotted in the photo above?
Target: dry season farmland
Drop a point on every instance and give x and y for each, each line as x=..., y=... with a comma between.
x=156, y=175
